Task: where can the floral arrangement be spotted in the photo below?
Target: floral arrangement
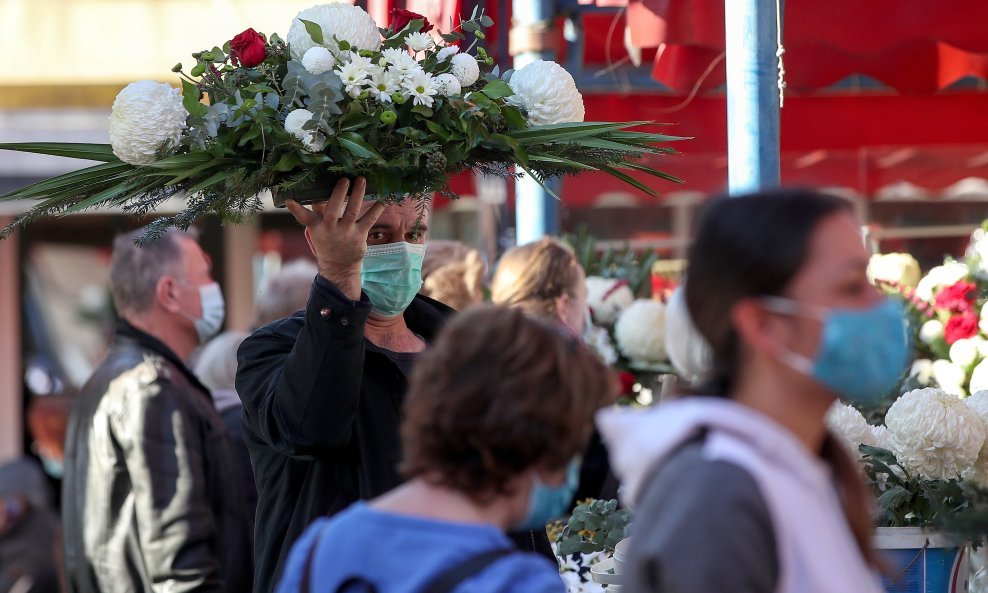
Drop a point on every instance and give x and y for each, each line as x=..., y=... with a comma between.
x=949, y=310
x=587, y=538
x=928, y=462
x=406, y=107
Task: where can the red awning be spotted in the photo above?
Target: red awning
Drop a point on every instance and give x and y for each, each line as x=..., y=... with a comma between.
x=913, y=46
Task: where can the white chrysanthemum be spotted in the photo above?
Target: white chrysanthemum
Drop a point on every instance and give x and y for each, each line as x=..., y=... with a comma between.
x=447, y=52
x=547, y=92
x=383, y=83
x=313, y=140
x=880, y=437
x=354, y=75
x=465, y=68
x=687, y=349
x=598, y=339
x=931, y=331
x=940, y=276
x=607, y=297
x=420, y=88
x=447, y=85
x=345, y=22
x=922, y=371
x=898, y=268
x=145, y=115
x=983, y=321
x=640, y=331
x=950, y=377
x=966, y=351
x=847, y=423
x=318, y=60
x=934, y=434
x=979, y=472
x=419, y=42
x=400, y=60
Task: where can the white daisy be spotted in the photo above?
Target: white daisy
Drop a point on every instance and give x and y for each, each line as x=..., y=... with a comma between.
x=383, y=83
x=355, y=58
x=400, y=60
x=419, y=42
x=420, y=87
x=354, y=76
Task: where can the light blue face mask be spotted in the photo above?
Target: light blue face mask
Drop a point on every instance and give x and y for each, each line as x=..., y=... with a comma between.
x=391, y=276
x=862, y=353
x=53, y=467
x=549, y=502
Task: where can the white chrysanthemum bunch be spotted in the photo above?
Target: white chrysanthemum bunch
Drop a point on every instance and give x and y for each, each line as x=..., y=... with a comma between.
x=465, y=68
x=979, y=472
x=318, y=59
x=901, y=269
x=607, y=297
x=967, y=351
x=640, y=331
x=940, y=276
x=950, y=377
x=934, y=434
x=339, y=22
x=145, y=115
x=847, y=423
x=547, y=92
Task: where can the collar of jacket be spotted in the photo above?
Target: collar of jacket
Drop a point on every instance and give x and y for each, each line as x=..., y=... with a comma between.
x=128, y=332
x=425, y=316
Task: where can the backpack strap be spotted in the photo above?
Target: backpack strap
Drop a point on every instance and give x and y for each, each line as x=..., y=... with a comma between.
x=447, y=581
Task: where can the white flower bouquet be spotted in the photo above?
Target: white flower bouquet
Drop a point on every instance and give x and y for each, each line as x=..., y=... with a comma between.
x=407, y=107
x=928, y=463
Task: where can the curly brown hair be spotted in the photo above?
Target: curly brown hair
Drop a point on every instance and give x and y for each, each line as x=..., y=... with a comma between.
x=500, y=392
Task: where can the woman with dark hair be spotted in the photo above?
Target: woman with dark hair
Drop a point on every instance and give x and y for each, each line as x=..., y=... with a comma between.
x=743, y=490
x=496, y=415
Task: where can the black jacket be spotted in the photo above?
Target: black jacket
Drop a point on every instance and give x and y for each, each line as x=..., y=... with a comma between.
x=150, y=501
x=322, y=410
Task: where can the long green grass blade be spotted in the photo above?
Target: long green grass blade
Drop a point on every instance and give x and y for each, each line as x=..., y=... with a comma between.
x=651, y=171
x=92, y=152
x=67, y=180
x=629, y=180
x=548, y=158
x=563, y=132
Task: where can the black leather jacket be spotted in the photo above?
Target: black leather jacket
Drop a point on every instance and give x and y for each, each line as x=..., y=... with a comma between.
x=151, y=499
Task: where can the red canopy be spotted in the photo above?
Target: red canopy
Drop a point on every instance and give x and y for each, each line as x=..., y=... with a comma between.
x=913, y=46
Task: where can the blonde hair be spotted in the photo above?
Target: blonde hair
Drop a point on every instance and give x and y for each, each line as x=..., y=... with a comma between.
x=458, y=284
x=532, y=277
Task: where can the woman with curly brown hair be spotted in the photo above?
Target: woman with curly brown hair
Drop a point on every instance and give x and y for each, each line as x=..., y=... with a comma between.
x=496, y=416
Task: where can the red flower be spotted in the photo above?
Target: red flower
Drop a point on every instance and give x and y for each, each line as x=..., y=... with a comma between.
x=627, y=382
x=960, y=326
x=249, y=48
x=401, y=17
x=957, y=298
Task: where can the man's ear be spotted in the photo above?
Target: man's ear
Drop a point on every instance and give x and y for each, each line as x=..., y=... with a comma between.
x=166, y=293
x=756, y=327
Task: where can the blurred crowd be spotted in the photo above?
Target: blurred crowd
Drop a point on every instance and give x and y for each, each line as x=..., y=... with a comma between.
x=408, y=419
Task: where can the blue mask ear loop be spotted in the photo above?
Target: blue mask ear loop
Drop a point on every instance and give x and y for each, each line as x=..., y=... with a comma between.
x=786, y=306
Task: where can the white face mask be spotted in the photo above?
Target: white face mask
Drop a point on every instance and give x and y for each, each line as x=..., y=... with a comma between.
x=213, y=312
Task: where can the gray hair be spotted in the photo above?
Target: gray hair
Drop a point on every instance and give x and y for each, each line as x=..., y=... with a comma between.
x=285, y=292
x=216, y=364
x=135, y=271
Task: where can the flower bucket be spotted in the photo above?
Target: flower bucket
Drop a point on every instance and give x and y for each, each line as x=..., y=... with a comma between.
x=317, y=191
x=921, y=561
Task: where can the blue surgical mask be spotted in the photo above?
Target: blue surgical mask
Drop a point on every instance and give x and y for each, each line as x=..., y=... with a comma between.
x=549, y=502
x=391, y=276
x=53, y=467
x=862, y=352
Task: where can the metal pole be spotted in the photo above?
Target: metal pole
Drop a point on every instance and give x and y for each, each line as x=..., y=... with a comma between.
x=752, y=95
x=11, y=369
x=536, y=211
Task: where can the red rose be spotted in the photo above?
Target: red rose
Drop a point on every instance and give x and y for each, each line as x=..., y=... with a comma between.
x=957, y=298
x=627, y=382
x=401, y=17
x=960, y=326
x=249, y=48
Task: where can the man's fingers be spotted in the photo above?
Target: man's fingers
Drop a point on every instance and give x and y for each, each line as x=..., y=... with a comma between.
x=356, y=198
x=338, y=196
x=370, y=217
x=303, y=215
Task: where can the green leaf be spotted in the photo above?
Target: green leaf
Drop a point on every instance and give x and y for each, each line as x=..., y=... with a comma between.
x=216, y=179
x=314, y=31
x=438, y=130
x=628, y=179
x=513, y=117
x=497, y=89
x=358, y=147
x=486, y=21
x=288, y=162
x=68, y=181
x=652, y=171
x=91, y=152
x=190, y=99
x=199, y=169
x=569, y=130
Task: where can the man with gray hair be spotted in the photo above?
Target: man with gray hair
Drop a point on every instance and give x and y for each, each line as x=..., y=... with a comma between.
x=284, y=292
x=150, y=500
